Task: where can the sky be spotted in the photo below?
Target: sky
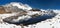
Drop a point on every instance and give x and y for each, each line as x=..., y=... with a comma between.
x=42, y=4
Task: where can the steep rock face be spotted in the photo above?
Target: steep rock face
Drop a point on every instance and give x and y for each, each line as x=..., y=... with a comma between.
x=2, y=10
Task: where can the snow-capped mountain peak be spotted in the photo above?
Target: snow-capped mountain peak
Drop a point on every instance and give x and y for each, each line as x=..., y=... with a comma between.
x=20, y=5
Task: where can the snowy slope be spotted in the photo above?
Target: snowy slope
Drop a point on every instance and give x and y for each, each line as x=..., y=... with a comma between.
x=40, y=24
x=19, y=5
x=48, y=23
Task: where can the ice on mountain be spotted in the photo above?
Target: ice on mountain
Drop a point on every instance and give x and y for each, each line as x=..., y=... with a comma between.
x=20, y=5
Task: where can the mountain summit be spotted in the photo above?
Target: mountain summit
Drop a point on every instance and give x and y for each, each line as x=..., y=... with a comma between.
x=19, y=5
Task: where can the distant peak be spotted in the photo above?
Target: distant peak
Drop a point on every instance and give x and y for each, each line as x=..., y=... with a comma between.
x=19, y=5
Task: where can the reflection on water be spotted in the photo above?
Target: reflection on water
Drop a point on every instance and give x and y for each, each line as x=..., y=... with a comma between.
x=35, y=20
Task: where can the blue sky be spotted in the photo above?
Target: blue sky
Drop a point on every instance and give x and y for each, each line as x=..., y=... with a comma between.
x=43, y=4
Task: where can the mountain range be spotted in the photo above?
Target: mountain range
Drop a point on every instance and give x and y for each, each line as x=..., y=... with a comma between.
x=18, y=13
